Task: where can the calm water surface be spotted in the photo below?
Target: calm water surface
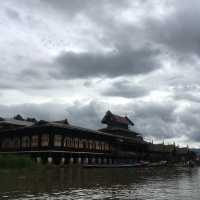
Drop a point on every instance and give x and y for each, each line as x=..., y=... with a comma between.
x=75, y=183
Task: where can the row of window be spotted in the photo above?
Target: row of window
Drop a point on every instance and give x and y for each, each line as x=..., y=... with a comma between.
x=68, y=142
x=85, y=144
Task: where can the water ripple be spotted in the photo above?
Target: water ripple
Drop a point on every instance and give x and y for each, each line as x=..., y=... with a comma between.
x=84, y=184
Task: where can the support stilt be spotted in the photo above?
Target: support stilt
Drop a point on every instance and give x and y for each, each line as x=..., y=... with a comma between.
x=49, y=160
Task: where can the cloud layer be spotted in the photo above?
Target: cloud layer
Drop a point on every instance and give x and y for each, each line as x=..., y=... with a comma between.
x=77, y=59
x=110, y=64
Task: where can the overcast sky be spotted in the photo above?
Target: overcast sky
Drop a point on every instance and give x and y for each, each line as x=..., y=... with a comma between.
x=76, y=59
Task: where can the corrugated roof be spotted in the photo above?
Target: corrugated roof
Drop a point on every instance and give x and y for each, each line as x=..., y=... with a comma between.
x=97, y=132
x=66, y=126
x=16, y=122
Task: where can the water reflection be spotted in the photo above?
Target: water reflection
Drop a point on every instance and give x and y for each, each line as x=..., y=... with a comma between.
x=77, y=183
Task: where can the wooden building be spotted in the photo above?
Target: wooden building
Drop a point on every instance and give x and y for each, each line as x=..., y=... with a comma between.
x=61, y=142
x=119, y=126
x=14, y=123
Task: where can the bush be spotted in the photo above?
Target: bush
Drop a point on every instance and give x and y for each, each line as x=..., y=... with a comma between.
x=15, y=161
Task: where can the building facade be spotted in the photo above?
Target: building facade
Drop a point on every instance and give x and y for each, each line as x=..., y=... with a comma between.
x=60, y=142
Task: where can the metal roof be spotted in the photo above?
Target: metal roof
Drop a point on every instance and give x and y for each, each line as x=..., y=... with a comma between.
x=16, y=122
x=30, y=125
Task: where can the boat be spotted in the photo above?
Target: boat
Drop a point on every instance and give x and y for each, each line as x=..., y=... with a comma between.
x=134, y=165
x=157, y=164
x=112, y=165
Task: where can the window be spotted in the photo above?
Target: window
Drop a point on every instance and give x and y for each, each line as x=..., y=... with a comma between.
x=76, y=143
x=11, y=143
x=97, y=145
x=85, y=144
x=90, y=144
x=25, y=141
x=34, y=141
x=16, y=142
x=102, y=146
x=5, y=143
x=80, y=144
x=57, y=140
x=71, y=143
x=93, y=145
x=107, y=147
x=45, y=140
x=66, y=142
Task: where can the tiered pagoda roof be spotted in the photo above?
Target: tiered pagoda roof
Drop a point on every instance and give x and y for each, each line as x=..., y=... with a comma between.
x=116, y=121
x=118, y=125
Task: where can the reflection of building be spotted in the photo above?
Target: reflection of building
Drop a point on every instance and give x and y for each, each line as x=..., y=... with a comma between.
x=61, y=142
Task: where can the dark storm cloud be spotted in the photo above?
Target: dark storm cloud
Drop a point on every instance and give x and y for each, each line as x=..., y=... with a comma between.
x=25, y=84
x=119, y=63
x=180, y=30
x=125, y=89
x=13, y=14
x=111, y=39
x=189, y=120
x=188, y=96
x=87, y=115
x=127, y=58
x=5, y=86
x=27, y=81
x=152, y=119
x=69, y=7
x=187, y=92
x=48, y=111
x=163, y=110
x=155, y=119
x=165, y=120
x=87, y=84
x=30, y=73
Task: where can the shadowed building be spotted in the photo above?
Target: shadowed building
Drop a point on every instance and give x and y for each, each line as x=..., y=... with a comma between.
x=14, y=123
x=119, y=126
x=61, y=142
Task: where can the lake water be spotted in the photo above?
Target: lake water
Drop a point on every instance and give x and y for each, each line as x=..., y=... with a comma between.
x=76, y=183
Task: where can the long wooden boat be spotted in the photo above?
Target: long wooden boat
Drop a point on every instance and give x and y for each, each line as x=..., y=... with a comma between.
x=157, y=164
x=112, y=165
x=138, y=165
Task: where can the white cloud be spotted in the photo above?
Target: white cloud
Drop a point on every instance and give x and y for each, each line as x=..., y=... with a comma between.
x=140, y=57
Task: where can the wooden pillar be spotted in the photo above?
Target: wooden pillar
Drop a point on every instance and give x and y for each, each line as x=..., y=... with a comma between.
x=49, y=160
x=71, y=160
x=99, y=161
x=93, y=160
x=79, y=160
x=62, y=162
x=38, y=160
x=86, y=160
